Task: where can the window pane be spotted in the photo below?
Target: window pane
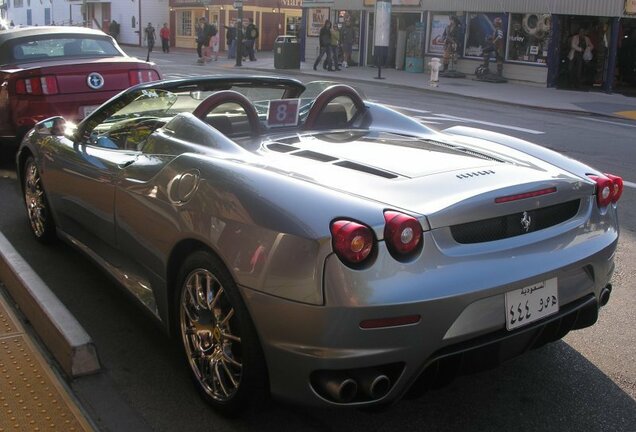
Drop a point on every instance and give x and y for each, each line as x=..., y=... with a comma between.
x=529, y=38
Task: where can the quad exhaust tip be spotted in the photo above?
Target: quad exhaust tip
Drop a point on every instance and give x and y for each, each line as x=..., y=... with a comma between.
x=604, y=297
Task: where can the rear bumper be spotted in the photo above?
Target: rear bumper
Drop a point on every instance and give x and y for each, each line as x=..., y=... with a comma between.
x=461, y=307
x=29, y=110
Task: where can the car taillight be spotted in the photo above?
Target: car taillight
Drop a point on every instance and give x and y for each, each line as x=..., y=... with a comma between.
x=609, y=189
x=41, y=85
x=617, y=186
x=139, y=76
x=402, y=233
x=352, y=241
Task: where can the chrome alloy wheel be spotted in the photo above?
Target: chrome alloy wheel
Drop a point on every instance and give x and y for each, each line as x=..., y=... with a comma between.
x=35, y=200
x=213, y=350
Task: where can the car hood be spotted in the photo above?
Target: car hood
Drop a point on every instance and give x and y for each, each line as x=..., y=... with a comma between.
x=449, y=179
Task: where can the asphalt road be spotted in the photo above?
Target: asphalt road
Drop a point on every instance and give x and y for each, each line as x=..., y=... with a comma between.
x=587, y=382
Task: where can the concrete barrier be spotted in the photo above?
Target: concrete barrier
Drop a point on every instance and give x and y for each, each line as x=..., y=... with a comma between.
x=62, y=334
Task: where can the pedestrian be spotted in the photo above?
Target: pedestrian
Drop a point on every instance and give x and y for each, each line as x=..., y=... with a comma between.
x=164, y=33
x=346, y=37
x=150, y=36
x=495, y=45
x=580, y=46
x=230, y=38
x=214, y=41
x=204, y=34
x=324, y=40
x=451, y=39
x=113, y=29
x=251, y=34
x=334, y=42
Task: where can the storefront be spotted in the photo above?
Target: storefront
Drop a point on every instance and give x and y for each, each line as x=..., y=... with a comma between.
x=537, y=37
x=272, y=17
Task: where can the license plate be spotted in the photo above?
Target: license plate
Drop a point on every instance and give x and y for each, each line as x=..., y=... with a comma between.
x=86, y=110
x=531, y=303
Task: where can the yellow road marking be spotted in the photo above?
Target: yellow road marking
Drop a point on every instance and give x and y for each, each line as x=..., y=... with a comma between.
x=627, y=114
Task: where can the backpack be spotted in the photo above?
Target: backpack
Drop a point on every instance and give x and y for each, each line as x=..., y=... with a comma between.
x=253, y=32
x=213, y=30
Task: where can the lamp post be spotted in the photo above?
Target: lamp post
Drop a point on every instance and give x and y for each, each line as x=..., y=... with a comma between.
x=238, y=4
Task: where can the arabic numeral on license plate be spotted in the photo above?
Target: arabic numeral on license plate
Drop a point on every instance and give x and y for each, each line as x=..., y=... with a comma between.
x=531, y=303
x=547, y=302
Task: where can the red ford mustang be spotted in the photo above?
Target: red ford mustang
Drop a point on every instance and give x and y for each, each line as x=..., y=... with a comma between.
x=66, y=71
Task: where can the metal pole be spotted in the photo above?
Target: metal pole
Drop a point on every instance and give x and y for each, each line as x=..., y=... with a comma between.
x=239, y=37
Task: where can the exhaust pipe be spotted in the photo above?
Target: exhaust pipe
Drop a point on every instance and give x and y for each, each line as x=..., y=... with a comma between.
x=374, y=384
x=604, y=297
x=339, y=388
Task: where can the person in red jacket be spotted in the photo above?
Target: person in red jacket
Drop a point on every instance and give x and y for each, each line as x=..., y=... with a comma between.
x=164, y=33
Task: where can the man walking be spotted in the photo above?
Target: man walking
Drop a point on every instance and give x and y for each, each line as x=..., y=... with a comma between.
x=149, y=36
x=251, y=34
x=204, y=34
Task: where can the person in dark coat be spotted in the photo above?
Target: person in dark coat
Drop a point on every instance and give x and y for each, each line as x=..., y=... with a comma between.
x=251, y=34
x=325, y=45
x=230, y=38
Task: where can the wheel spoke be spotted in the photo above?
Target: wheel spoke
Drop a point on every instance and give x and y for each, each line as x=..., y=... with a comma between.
x=229, y=374
x=219, y=379
x=231, y=337
x=227, y=318
x=232, y=361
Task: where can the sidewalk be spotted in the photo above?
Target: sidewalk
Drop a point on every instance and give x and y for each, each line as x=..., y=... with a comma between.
x=32, y=396
x=516, y=93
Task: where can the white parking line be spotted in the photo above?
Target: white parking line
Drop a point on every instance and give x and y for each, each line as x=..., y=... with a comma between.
x=608, y=122
x=441, y=117
x=433, y=118
x=629, y=184
x=498, y=125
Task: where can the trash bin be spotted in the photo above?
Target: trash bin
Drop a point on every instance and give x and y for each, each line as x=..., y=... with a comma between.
x=286, y=52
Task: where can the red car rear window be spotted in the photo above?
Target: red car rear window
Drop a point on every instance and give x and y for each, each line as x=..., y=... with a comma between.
x=61, y=47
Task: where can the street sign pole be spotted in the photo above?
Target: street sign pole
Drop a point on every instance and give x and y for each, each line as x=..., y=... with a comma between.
x=239, y=32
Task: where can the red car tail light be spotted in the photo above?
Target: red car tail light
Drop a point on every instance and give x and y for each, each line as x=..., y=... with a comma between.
x=352, y=242
x=402, y=233
x=617, y=186
x=139, y=76
x=604, y=190
x=37, y=86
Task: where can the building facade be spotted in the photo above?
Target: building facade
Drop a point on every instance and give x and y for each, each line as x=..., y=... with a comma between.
x=272, y=17
x=537, y=45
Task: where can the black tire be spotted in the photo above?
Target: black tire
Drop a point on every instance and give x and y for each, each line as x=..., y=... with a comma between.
x=216, y=334
x=37, y=206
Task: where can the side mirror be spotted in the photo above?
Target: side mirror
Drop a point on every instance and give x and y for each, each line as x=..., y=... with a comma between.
x=54, y=126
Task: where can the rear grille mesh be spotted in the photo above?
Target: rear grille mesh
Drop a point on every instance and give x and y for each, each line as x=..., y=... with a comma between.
x=514, y=224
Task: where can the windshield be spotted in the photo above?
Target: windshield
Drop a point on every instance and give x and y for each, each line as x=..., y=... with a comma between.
x=54, y=47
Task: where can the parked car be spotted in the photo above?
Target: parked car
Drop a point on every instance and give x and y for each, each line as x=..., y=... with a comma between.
x=66, y=71
x=304, y=242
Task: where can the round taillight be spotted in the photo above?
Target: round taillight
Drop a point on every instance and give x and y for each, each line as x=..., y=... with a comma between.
x=604, y=190
x=402, y=233
x=617, y=186
x=352, y=241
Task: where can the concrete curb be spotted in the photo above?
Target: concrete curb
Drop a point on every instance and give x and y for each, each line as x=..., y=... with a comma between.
x=62, y=334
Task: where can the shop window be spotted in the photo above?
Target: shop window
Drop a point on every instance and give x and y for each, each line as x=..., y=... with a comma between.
x=529, y=38
x=480, y=29
x=184, y=23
